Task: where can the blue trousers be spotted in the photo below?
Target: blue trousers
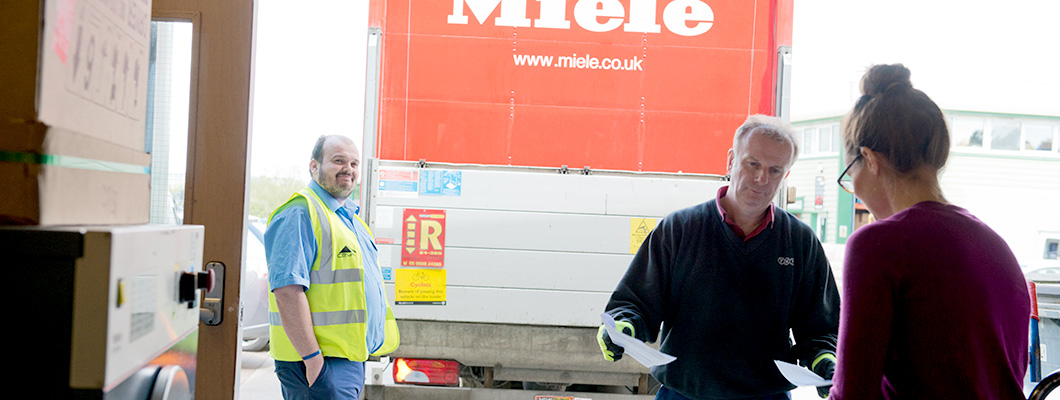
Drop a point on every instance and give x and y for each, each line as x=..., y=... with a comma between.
x=667, y=394
x=339, y=379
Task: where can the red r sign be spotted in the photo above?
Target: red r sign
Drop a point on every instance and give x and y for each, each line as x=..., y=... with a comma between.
x=423, y=244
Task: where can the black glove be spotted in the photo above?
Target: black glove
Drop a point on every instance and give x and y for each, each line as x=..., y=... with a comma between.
x=824, y=367
x=612, y=351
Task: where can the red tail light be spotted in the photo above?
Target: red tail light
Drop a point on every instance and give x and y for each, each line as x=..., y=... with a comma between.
x=426, y=372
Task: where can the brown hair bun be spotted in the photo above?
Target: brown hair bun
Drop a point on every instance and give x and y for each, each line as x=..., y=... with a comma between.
x=882, y=78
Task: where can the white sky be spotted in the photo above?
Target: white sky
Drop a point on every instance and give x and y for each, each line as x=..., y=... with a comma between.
x=974, y=55
x=309, y=80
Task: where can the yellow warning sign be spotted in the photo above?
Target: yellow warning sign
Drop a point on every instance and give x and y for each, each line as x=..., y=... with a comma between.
x=419, y=286
x=639, y=228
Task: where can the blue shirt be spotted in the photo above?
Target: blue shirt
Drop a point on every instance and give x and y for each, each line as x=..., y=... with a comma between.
x=291, y=248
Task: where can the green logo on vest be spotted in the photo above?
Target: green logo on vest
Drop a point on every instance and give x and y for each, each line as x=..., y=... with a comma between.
x=345, y=252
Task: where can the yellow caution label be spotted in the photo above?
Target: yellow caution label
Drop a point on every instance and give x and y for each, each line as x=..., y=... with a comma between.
x=419, y=286
x=121, y=293
x=639, y=228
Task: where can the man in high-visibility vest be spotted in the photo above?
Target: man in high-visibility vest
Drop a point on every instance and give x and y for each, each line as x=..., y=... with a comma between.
x=327, y=309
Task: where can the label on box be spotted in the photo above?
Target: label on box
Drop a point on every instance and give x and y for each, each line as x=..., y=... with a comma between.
x=94, y=68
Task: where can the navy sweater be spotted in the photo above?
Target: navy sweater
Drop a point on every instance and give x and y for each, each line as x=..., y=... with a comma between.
x=725, y=306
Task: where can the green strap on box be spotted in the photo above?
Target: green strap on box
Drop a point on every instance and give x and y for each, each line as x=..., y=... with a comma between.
x=72, y=162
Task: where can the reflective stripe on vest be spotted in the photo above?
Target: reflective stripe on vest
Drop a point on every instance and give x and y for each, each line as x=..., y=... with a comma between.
x=340, y=276
x=324, y=250
x=328, y=318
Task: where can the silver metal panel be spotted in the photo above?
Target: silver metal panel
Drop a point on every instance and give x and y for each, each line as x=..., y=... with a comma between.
x=525, y=269
x=514, y=230
x=526, y=245
x=371, y=98
x=510, y=306
x=503, y=188
x=510, y=346
x=1048, y=295
x=546, y=190
x=657, y=197
x=782, y=92
x=1049, y=337
x=564, y=376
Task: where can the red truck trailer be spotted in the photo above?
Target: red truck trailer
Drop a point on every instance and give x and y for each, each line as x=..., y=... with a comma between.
x=544, y=139
x=637, y=85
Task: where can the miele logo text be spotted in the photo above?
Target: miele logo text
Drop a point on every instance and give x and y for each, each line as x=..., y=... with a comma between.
x=683, y=17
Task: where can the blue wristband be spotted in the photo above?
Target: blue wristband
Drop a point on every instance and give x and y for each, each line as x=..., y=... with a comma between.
x=311, y=355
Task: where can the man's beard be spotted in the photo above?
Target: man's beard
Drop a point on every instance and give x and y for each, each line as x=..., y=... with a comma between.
x=333, y=187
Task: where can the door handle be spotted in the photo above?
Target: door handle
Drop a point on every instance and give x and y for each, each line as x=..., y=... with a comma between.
x=213, y=300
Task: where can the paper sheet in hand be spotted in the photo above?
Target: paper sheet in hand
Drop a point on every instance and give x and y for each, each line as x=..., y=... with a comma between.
x=636, y=348
x=800, y=376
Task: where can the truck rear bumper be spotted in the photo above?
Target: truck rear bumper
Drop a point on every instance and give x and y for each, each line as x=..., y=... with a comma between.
x=519, y=352
x=402, y=392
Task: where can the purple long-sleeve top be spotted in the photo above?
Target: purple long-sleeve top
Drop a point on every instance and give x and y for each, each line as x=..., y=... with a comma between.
x=934, y=306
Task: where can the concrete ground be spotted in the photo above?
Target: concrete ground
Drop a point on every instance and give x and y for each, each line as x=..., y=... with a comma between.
x=257, y=381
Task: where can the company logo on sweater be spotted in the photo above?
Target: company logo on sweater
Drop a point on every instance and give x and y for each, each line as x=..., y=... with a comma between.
x=346, y=252
x=786, y=261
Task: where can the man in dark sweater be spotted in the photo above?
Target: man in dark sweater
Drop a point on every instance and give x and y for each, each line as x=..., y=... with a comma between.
x=729, y=281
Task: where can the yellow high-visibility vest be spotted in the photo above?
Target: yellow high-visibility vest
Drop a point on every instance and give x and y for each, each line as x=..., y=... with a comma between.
x=336, y=292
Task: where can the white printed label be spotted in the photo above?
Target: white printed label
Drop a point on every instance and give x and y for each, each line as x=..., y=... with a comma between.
x=384, y=217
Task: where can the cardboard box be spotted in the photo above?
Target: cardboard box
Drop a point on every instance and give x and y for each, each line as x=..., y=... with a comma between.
x=79, y=65
x=19, y=31
x=53, y=176
x=73, y=79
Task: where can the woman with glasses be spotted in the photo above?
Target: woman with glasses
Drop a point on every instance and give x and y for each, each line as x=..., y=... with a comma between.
x=934, y=303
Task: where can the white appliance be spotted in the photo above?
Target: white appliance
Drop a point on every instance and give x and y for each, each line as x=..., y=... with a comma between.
x=108, y=312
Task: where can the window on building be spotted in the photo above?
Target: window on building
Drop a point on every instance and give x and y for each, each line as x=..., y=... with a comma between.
x=836, y=134
x=824, y=139
x=809, y=140
x=1037, y=137
x=820, y=139
x=966, y=132
x=1004, y=134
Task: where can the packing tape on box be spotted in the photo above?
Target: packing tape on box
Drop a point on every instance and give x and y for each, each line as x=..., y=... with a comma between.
x=72, y=162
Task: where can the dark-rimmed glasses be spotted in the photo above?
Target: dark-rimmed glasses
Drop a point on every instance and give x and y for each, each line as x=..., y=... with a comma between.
x=845, y=181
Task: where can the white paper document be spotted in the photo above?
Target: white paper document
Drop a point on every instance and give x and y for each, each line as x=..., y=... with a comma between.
x=640, y=351
x=800, y=376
